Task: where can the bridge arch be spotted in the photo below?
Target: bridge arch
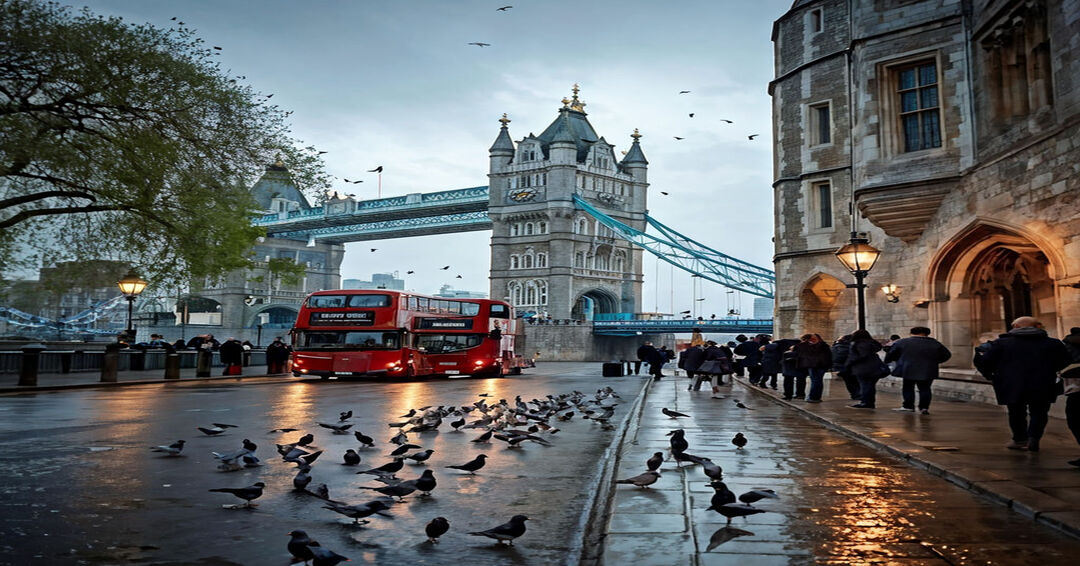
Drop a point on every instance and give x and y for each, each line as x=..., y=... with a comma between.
x=593, y=302
x=273, y=317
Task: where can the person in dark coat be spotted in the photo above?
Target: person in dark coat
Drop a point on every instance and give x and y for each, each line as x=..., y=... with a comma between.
x=794, y=382
x=1024, y=363
x=232, y=356
x=750, y=350
x=738, y=358
x=864, y=365
x=718, y=358
x=691, y=359
x=765, y=379
x=1072, y=386
x=840, y=350
x=770, y=361
x=815, y=357
x=277, y=354
x=917, y=359
x=644, y=352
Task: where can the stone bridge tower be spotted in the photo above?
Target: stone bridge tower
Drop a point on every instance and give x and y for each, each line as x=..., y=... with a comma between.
x=547, y=256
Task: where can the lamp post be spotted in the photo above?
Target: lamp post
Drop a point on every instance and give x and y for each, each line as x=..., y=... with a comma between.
x=859, y=257
x=131, y=285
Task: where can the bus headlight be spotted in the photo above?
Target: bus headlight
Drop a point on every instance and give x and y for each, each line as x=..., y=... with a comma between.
x=479, y=362
x=393, y=365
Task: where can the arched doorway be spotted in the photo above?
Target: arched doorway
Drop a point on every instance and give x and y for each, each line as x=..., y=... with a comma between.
x=817, y=307
x=986, y=276
x=594, y=302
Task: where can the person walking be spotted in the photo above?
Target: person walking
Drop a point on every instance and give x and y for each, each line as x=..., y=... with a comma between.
x=1023, y=364
x=690, y=360
x=644, y=351
x=696, y=339
x=770, y=361
x=1071, y=376
x=840, y=350
x=814, y=356
x=737, y=358
x=917, y=359
x=717, y=364
x=794, y=382
x=750, y=350
x=763, y=381
x=657, y=359
x=232, y=356
x=865, y=366
x=277, y=354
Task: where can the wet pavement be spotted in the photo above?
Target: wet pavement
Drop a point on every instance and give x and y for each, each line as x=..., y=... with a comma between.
x=840, y=502
x=82, y=487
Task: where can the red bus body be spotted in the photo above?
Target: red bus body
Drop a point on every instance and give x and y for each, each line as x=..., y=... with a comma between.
x=384, y=333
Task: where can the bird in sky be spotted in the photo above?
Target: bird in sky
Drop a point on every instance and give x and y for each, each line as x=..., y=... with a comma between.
x=752, y=136
x=173, y=449
x=373, y=249
x=439, y=525
x=691, y=114
x=684, y=92
x=702, y=299
x=409, y=272
x=726, y=120
x=480, y=44
x=445, y=268
x=173, y=18
x=503, y=9
x=739, y=441
x=684, y=312
x=254, y=491
x=271, y=95
x=664, y=193
x=677, y=137
x=376, y=170
x=322, y=152
x=673, y=414
x=354, y=182
x=505, y=532
x=218, y=48
x=642, y=480
x=458, y=277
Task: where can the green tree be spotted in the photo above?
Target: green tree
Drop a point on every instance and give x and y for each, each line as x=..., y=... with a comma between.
x=129, y=142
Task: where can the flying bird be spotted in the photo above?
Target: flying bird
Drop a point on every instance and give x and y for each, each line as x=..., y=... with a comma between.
x=663, y=193
x=445, y=268
x=472, y=466
x=458, y=277
x=173, y=18
x=726, y=120
x=691, y=114
x=684, y=92
x=439, y=525
x=376, y=170
x=373, y=249
x=739, y=441
x=173, y=449
x=337, y=428
x=218, y=48
x=354, y=182
x=254, y=491
x=479, y=44
x=505, y=532
x=269, y=96
x=503, y=9
x=758, y=494
x=684, y=312
x=643, y=480
x=677, y=137
x=409, y=272
x=673, y=414
x=752, y=136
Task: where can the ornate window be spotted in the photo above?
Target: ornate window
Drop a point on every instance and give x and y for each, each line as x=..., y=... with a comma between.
x=541, y=288
x=541, y=259
x=527, y=261
x=917, y=92
x=514, y=290
x=529, y=228
x=581, y=226
x=541, y=227
x=514, y=262
x=579, y=259
x=620, y=261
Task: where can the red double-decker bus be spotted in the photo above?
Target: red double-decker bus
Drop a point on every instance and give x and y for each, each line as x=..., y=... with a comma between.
x=367, y=332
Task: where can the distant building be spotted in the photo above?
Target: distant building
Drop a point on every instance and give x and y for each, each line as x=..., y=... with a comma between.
x=378, y=281
x=450, y=292
x=763, y=308
x=947, y=133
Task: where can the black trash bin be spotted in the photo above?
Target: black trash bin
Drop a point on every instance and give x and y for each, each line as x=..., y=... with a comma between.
x=613, y=369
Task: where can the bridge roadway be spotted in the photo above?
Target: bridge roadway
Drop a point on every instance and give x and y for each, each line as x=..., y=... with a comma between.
x=722, y=326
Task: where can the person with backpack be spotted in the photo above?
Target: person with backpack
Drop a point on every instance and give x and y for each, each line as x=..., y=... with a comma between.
x=865, y=366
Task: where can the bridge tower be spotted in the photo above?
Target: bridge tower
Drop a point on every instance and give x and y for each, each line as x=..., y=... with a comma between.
x=546, y=255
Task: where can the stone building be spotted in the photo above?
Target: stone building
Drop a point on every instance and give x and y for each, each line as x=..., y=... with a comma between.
x=946, y=130
x=547, y=255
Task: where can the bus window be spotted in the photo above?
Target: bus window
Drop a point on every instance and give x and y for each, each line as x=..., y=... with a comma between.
x=447, y=343
x=326, y=301
x=500, y=311
x=369, y=301
x=470, y=309
x=349, y=340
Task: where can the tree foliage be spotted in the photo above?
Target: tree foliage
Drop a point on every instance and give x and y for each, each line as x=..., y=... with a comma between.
x=129, y=142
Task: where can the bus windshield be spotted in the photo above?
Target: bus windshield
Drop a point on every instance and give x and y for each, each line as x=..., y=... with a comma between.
x=446, y=343
x=351, y=340
x=347, y=301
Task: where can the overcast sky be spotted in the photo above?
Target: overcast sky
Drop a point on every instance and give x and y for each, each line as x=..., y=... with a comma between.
x=394, y=83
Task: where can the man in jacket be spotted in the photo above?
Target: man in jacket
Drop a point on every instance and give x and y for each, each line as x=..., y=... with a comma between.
x=690, y=360
x=814, y=355
x=644, y=352
x=1024, y=363
x=277, y=354
x=1072, y=392
x=917, y=357
x=750, y=350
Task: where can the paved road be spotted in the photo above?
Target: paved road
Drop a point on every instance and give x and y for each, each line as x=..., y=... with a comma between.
x=81, y=486
x=840, y=502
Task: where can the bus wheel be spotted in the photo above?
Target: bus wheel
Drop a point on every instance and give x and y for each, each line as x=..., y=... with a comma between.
x=324, y=377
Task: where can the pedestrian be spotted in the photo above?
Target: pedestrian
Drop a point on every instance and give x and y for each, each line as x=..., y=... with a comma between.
x=917, y=359
x=690, y=360
x=1071, y=376
x=771, y=357
x=1024, y=363
x=738, y=358
x=750, y=350
x=814, y=356
x=840, y=350
x=277, y=355
x=763, y=381
x=644, y=352
x=892, y=340
x=717, y=364
x=864, y=365
x=179, y=344
x=232, y=356
x=696, y=339
x=794, y=376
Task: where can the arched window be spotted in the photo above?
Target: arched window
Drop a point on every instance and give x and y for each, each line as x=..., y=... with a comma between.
x=528, y=228
x=581, y=226
x=541, y=228
x=514, y=264
x=620, y=262
x=530, y=294
x=514, y=289
x=541, y=287
x=541, y=259
x=527, y=261
x=515, y=229
x=579, y=259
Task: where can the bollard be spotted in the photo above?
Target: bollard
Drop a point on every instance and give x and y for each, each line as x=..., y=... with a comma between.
x=202, y=363
x=172, y=365
x=65, y=362
x=109, y=363
x=28, y=372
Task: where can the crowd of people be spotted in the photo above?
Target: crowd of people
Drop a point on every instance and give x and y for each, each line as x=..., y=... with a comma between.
x=233, y=352
x=1029, y=370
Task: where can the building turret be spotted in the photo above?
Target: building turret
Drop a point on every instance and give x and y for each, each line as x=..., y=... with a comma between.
x=502, y=151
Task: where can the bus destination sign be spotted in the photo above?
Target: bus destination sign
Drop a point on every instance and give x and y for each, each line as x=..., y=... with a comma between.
x=444, y=323
x=351, y=318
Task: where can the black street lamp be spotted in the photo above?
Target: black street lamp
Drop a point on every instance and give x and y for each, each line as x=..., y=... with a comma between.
x=131, y=285
x=859, y=257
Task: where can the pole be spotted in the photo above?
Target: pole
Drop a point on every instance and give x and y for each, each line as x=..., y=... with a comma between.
x=131, y=306
x=380, y=184
x=860, y=296
x=258, y=337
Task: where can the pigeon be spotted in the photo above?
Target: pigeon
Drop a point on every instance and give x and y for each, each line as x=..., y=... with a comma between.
x=321, y=491
x=211, y=431
x=721, y=495
x=398, y=490
x=357, y=512
x=374, y=249
x=472, y=466
x=337, y=428
x=691, y=114
x=732, y=510
x=678, y=138
x=711, y=469
x=739, y=441
x=364, y=439
x=173, y=449
x=725, y=534
x=655, y=461
x=351, y=457
x=325, y=557
x=399, y=439
x=444, y=269
x=420, y=457
x=480, y=44
x=302, y=479
x=483, y=437
x=673, y=414
x=254, y=491
x=507, y=531
x=678, y=440
x=642, y=480
x=404, y=448
x=223, y=425
x=344, y=416
x=756, y=495
x=752, y=136
x=283, y=430
x=503, y=9
x=740, y=405
x=298, y=546
x=426, y=482
x=387, y=469
x=305, y=440
x=436, y=528
x=458, y=423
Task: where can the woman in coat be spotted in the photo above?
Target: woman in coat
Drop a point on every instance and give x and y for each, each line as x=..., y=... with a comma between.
x=232, y=356
x=864, y=365
x=814, y=355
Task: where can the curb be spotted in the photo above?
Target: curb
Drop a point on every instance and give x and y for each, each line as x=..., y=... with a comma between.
x=594, y=522
x=108, y=384
x=1002, y=492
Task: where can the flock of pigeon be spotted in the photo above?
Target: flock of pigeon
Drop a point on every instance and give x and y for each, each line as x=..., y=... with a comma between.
x=512, y=423
x=723, y=499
